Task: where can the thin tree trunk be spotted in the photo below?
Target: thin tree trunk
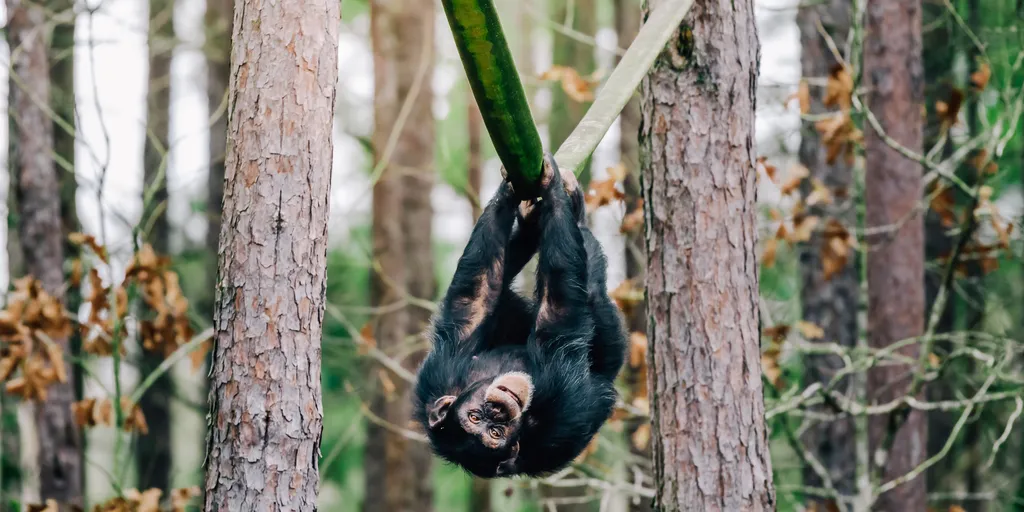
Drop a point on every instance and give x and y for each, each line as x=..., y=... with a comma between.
x=398, y=476
x=219, y=14
x=62, y=99
x=40, y=229
x=565, y=111
x=153, y=455
x=830, y=302
x=893, y=69
x=627, y=24
x=697, y=133
x=266, y=414
x=475, y=170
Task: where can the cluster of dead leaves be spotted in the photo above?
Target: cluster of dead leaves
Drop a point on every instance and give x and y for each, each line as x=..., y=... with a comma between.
x=777, y=334
x=610, y=191
x=576, y=87
x=149, y=501
x=29, y=324
x=168, y=326
x=100, y=411
x=839, y=134
x=837, y=244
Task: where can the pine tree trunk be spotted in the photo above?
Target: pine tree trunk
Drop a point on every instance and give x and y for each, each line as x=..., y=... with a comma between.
x=40, y=230
x=830, y=302
x=266, y=414
x=697, y=138
x=398, y=476
x=153, y=455
x=892, y=67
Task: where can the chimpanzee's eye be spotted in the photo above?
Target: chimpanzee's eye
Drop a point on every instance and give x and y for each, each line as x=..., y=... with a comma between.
x=474, y=417
x=495, y=432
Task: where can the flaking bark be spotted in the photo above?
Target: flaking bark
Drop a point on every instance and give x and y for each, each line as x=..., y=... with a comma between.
x=697, y=150
x=266, y=412
x=895, y=263
x=40, y=230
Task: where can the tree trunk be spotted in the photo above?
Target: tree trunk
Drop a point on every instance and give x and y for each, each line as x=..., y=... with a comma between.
x=219, y=14
x=627, y=24
x=153, y=455
x=892, y=67
x=266, y=414
x=62, y=99
x=40, y=230
x=565, y=111
x=697, y=133
x=398, y=476
x=830, y=302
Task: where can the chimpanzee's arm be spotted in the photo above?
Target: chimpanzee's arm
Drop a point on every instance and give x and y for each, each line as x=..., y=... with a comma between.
x=478, y=279
x=562, y=271
x=524, y=242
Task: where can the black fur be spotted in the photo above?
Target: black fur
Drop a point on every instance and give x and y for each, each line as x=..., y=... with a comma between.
x=572, y=345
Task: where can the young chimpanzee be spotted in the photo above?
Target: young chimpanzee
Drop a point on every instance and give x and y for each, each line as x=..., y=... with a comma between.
x=514, y=386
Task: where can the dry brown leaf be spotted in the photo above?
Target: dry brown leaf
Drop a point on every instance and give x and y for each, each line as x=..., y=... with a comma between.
x=602, y=192
x=641, y=436
x=803, y=94
x=769, y=169
x=618, y=172
x=768, y=255
x=181, y=497
x=794, y=177
x=836, y=247
x=777, y=333
x=90, y=242
x=839, y=89
x=637, y=349
x=810, y=330
x=820, y=194
x=980, y=78
x=634, y=220
x=575, y=86
x=803, y=228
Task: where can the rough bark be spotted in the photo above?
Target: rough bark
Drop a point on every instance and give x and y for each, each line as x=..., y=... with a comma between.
x=893, y=70
x=565, y=111
x=697, y=139
x=265, y=397
x=829, y=302
x=40, y=230
x=398, y=476
x=153, y=454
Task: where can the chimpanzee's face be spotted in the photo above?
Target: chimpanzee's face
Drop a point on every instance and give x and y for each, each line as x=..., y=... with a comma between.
x=490, y=415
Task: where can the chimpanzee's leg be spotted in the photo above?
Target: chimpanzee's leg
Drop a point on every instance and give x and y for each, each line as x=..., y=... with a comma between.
x=479, y=277
x=563, y=313
x=608, y=350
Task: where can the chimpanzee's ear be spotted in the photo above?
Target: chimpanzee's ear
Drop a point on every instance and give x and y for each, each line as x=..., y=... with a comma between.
x=437, y=412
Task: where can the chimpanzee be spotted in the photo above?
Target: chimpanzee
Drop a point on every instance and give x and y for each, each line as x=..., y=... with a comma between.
x=516, y=386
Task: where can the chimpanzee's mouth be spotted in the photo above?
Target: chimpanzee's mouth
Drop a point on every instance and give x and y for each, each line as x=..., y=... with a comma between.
x=514, y=396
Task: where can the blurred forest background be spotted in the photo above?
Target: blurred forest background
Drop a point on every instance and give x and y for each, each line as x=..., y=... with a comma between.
x=138, y=95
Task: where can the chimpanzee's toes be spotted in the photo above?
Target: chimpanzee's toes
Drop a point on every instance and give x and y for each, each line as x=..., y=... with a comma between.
x=550, y=175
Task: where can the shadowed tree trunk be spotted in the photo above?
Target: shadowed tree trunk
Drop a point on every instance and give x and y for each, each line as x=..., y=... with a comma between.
x=62, y=99
x=627, y=24
x=829, y=301
x=398, y=476
x=40, y=228
x=893, y=70
x=153, y=455
x=697, y=134
x=219, y=14
x=266, y=414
